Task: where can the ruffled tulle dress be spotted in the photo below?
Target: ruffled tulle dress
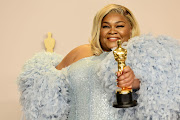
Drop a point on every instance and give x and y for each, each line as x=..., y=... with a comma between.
x=85, y=90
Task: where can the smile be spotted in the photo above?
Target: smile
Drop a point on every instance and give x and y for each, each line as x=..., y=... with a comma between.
x=112, y=39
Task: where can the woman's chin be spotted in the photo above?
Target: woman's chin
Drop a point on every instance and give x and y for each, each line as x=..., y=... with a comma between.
x=113, y=46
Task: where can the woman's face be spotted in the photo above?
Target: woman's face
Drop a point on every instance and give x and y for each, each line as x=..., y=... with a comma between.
x=114, y=26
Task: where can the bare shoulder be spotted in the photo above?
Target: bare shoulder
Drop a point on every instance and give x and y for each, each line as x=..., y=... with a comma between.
x=75, y=55
x=83, y=51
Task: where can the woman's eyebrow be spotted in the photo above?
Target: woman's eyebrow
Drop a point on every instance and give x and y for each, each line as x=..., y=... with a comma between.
x=106, y=22
x=115, y=22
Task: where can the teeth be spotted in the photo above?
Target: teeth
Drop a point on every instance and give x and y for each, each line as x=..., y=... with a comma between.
x=112, y=38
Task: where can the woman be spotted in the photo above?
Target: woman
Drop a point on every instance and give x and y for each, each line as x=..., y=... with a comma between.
x=84, y=85
x=111, y=23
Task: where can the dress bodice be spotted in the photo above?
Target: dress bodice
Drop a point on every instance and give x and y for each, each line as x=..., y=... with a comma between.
x=88, y=99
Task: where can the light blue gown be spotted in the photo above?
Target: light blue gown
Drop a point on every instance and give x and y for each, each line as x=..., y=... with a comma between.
x=85, y=90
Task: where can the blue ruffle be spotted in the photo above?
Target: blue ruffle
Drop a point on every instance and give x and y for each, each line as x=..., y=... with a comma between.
x=155, y=61
x=44, y=90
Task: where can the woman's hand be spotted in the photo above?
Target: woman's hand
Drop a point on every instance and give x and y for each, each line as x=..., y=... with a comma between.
x=127, y=79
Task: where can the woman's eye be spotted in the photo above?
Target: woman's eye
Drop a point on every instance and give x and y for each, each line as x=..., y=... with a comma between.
x=105, y=26
x=120, y=26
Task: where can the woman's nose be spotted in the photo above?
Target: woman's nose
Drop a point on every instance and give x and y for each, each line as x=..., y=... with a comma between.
x=112, y=31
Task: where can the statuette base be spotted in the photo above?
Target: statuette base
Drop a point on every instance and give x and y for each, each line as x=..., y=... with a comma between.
x=124, y=100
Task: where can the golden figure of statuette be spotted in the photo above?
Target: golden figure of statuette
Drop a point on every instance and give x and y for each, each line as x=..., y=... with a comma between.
x=120, y=55
x=123, y=95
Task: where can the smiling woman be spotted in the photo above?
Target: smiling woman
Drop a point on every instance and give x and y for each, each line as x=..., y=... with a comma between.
x=83, y=84
x=114, y=22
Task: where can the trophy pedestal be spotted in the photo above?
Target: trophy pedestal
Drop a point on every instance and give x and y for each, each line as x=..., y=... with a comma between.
x=124, y=100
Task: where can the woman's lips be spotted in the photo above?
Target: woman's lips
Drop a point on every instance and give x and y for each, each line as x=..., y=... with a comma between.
x=112, y=39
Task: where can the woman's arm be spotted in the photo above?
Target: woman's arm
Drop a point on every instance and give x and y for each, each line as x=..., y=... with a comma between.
x=68, y=59
x=136, y=84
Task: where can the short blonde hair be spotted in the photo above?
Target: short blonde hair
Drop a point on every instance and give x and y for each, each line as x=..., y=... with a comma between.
x=95, y=34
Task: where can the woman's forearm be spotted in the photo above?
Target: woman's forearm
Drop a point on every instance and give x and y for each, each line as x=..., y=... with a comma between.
x=136, y=84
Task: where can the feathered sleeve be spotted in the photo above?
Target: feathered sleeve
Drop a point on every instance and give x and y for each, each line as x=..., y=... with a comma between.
x=44, y=89
x=155, y=61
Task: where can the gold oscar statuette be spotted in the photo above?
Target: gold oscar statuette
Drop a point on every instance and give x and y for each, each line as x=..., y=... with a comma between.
x=123, y=95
